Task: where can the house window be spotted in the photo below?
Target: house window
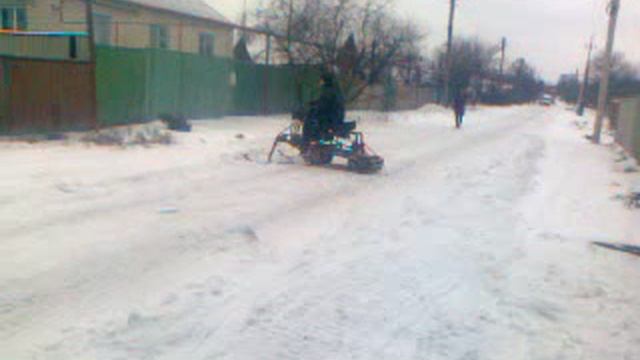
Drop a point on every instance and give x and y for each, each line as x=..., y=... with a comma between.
x=159, y=36
x=102, y=29
x=14, y=18
x=73, y=47
x=207, y=44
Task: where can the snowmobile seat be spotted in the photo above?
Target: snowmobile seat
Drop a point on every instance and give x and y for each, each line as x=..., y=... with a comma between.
x=345, y=129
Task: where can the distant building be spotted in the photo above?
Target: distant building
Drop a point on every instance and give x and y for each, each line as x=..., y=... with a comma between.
x=182, y=25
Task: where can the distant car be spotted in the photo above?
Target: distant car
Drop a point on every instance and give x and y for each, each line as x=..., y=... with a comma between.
x=547, y=100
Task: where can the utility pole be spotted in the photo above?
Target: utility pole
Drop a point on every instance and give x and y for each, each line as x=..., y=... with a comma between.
x=244, y=20
x=265, y=79
x=447, y=77
x=90, y=30
x=585, y=82
x=93, y=90
x=289, y=31
x=503, y=50
x=614, y=9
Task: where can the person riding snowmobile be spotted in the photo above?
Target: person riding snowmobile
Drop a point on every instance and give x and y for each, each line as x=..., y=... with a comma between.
x=327, y=113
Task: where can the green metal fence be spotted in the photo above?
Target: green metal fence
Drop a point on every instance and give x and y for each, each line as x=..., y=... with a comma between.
x=281, y=89
x=165, y=82
x=267, y=89
x=249, y=89
x=206, y=87
x=121, y=81
x=141, y=84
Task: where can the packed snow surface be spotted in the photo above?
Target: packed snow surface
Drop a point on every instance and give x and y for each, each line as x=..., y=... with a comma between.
x=471, y=244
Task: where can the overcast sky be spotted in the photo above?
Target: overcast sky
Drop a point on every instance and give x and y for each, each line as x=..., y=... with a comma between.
x=552, y=34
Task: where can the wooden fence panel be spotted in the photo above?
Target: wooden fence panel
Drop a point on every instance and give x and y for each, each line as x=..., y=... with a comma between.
x=48, y=95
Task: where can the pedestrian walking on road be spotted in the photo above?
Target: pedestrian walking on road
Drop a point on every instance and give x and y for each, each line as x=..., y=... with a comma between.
x=459, y=106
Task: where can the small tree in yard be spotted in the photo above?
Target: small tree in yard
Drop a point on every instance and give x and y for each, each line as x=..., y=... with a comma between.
x=475, y=62
x=361, y=39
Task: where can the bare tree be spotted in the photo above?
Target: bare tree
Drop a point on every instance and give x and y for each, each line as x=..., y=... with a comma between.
x=526, y=83
x=624, y=78
x=476, y=64
x=360, y=39
x=620, y=67
x=470, y=59
x=411, y=65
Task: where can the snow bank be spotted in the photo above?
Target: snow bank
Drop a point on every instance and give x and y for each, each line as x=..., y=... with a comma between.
x=130, y=135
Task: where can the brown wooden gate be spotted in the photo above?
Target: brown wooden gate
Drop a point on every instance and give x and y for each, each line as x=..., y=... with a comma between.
x=45, y=95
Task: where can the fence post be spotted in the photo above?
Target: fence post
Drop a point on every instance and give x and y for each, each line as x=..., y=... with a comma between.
x=148, y=75
x=93, y=83
x=4, y=95
x=265, y=94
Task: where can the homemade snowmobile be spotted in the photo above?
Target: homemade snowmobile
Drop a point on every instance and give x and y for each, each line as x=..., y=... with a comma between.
x=342, y=141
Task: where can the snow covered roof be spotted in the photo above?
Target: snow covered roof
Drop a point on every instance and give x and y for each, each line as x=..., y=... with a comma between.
x=197, y=8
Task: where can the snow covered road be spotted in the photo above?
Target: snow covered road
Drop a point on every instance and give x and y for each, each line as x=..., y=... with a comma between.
x=473, y=244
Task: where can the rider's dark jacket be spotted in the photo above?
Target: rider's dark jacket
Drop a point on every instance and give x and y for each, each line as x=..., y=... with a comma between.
x=331, y=106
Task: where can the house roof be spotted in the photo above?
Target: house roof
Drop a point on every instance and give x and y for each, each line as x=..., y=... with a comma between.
x=196, y=8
